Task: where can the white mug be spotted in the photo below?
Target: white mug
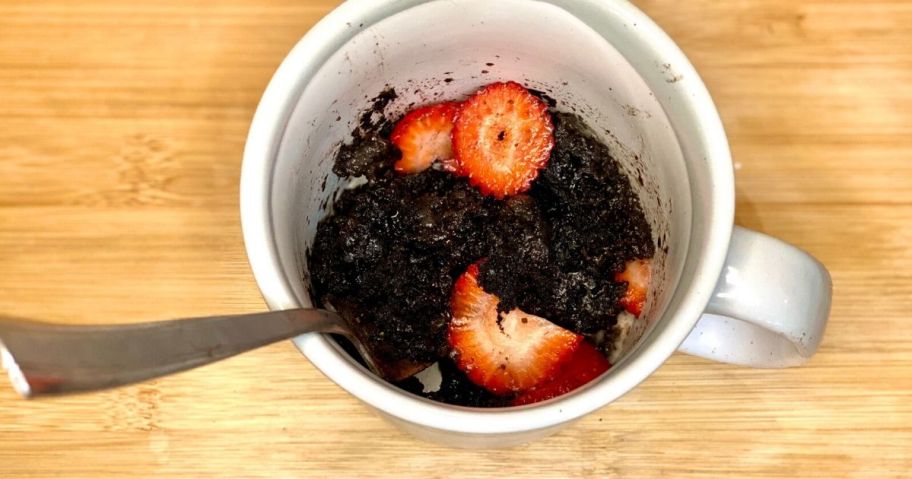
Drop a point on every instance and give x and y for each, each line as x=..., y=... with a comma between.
x=719, y=292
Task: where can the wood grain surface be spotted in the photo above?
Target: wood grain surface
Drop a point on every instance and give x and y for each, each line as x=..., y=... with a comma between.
x=121, y=131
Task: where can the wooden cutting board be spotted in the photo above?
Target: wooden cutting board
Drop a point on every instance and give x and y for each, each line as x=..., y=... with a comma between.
x=121, y=131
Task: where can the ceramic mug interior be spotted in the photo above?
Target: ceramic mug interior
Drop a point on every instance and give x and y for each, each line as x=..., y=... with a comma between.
x=624, y=88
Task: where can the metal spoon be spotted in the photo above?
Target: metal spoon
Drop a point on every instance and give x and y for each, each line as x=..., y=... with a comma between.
x=44, y=359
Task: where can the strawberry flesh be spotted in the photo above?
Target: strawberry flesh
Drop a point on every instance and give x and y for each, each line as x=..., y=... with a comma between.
x=584, y=365
x=636, y=274
x=502, y=137
x=424, y=136
x=503, y=352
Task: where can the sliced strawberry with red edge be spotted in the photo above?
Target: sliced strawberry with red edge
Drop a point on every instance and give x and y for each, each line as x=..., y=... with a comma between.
x=584, y=365
x=424, y=136
x=503, y=136
x=636, y=274
x=503, y=353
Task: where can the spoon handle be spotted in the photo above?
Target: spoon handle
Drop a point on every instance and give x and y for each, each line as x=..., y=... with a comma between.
x=44, y=359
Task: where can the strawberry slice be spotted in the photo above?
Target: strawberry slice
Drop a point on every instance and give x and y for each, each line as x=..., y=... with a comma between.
x=636, y=274
x=503, y=353
x=584, y=365
x=424, y=136
x=503, y=136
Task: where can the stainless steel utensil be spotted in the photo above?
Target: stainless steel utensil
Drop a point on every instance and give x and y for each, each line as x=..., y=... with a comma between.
x=45, y=359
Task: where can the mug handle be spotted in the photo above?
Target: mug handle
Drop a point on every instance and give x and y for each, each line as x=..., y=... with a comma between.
x=769, y=308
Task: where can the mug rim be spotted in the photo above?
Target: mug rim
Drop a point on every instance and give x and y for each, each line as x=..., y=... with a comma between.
x=267, y=130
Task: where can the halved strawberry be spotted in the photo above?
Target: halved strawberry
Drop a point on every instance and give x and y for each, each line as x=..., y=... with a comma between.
x=636, y=274
x=503, y=353
x=584, y=365
x=503, y=136
x=424, y=136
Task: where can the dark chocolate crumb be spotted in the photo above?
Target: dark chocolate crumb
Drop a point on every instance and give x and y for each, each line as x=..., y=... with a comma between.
x=551, y=102
x=367, y=156
x=388, y=256
x=373, y=118
x=562, y=264
x=456, y=388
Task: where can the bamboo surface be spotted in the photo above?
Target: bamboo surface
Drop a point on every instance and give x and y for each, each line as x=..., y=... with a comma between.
x=121, y=131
